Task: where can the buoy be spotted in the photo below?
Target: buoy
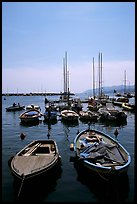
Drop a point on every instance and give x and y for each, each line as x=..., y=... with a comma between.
x=71, y=146
x=22, y=136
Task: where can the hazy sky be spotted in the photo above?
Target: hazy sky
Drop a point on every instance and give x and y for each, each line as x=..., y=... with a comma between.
x=35, y=36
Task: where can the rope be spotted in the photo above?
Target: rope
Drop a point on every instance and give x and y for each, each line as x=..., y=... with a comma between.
x=21, y=185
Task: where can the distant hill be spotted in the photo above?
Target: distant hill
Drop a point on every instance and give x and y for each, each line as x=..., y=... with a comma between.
x=110, y=89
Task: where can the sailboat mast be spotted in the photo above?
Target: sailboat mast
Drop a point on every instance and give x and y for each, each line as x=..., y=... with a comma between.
x=93, y=80
x=66, y=72
x=101, y=73
x=125, y=81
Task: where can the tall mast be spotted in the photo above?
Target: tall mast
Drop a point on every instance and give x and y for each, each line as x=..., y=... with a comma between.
x=66, y=72
x=125, y=81
x=101, y=74
x=93, y=80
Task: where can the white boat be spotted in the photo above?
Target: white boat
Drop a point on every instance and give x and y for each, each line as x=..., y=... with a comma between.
x=69, y=115
x=30, y=116
x=36, y=159
x=32, y=106
x=101, y=153
x=128, y=107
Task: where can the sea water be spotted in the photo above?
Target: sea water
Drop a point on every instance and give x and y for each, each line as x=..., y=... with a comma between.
x=70, y=185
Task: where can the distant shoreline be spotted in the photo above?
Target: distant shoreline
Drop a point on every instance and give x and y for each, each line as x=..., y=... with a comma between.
x=35, y=94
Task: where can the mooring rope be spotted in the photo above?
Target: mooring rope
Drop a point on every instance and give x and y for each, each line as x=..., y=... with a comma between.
x=21, y=185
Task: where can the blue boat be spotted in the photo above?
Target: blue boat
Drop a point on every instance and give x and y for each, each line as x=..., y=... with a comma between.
x=100, y=153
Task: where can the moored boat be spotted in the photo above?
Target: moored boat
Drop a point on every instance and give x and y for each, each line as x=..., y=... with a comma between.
x=111, y=113
x=101, y=153
x=69, y=115
x=32, y=106
x=128, y=107
x=36, y=159
x=15, y=107
x=30, y=116
x=88, y=116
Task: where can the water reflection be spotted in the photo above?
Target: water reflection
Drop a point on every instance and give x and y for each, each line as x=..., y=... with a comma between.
x=70, y=123
x=38, y=189
x=30, y=124
x=113, y=189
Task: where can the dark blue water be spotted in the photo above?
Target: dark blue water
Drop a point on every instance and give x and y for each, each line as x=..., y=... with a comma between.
x=71, y=184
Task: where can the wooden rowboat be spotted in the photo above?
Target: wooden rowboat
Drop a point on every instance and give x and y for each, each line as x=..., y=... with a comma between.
x=101, y=153
x=69, y=115
x=30, y=116
x=36, y=159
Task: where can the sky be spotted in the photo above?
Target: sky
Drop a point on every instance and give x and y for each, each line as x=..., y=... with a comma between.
x=36, y=35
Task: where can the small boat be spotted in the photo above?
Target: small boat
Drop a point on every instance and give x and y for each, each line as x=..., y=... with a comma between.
x=88, y=116
x=50, y=115
x=101, y=153
x=37, y=158
x=15, y=107
x=76, y=105
x=69, y=115
x=111, y=113
x=128, y=107
x=30, y=116
x=94, y=105
x=32, y=106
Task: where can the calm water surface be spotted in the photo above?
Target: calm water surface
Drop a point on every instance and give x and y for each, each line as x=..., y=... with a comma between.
x=70, y=183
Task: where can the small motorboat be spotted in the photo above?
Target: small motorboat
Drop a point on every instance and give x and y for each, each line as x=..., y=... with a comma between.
x=111, y=113
x=88, y=115
x=94, y=105
x=128, y=107
x=69, y=115
x=100, y=153
x=30, y=116
x=15, y=107
x=50, y=113
x=32, y=106
x=37, y=158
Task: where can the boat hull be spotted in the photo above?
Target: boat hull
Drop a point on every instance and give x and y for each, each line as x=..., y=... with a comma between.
x=35, y=160
x=30, y=116
x=15, y=108
x=93, y=163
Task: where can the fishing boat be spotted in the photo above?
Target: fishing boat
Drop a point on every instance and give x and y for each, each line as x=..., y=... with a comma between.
x=100, y=153
x=15, y=107
x=37, y=158
x=69, y=115
x=30, y=116
x=128, y=107
x=88, y=116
